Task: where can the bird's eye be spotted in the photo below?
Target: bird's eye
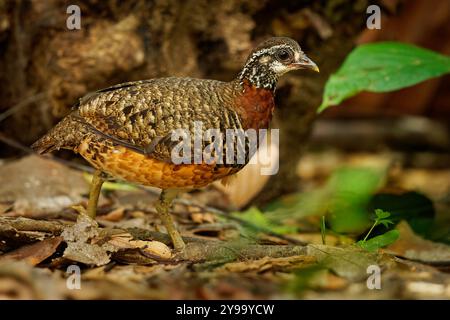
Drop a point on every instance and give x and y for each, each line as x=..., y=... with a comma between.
x=284, y=55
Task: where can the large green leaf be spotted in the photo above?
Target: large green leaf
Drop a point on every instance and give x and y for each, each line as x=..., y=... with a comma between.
x=380, y=241
x=411, y=206
x=254, y=216
x=382, y=67
x=344, y=200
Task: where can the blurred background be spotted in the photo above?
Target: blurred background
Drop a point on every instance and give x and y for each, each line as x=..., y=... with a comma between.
x=45, y=67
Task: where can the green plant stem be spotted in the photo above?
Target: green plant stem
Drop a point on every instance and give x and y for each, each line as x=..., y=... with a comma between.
x=322, y=229
x=368, y=233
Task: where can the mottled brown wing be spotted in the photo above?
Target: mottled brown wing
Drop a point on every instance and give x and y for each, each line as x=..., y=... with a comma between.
x=142, y=115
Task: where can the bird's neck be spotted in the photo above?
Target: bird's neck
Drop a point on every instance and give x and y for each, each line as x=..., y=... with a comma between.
x=255, y=105
x=258, y=75
x=255, y=85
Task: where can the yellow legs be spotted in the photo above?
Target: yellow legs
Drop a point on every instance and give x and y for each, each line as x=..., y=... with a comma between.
x=94, y=192
x=162, y=207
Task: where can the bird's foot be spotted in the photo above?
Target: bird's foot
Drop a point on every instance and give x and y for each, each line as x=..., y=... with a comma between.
x=177, y=240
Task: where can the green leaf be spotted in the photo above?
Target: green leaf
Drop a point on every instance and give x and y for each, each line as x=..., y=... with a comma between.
x=377, y=242
x=349, y=192
x=381, y=214
x=411, y=206
x=258, y=219
x=382, y=67
x=343, y=200
x=385, y=223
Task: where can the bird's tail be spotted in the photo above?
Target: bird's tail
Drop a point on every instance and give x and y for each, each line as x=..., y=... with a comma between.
x=44, y=144
x=66, y=134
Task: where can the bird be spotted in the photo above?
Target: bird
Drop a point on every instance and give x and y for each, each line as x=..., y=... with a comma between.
x=124, y=131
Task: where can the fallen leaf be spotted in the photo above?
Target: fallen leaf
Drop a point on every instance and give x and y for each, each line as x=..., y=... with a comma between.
x=350, y=262
x=411, y=246
x=38, y=186
x=126, y=241
x=34, y=253
x=80, y=246
x=115, y=215
x=154, y=248
x=201, y=217
x=20, y=280
x=122, y=241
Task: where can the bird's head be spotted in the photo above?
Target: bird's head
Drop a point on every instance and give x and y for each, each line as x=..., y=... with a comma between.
x=273, y=58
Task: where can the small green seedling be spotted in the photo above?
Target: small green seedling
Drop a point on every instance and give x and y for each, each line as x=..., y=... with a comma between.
x=323, y=229
x=382, y=240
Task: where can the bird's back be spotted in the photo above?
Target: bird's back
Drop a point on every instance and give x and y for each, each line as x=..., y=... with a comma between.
x=141, y=115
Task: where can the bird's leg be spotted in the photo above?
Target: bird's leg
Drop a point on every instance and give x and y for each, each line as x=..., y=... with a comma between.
x=162, y=207
x=94, y=192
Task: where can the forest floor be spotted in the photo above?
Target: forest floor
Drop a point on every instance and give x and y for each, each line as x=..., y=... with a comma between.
x=125, y=254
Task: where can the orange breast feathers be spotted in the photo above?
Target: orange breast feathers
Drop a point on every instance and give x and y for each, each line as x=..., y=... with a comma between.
x=256, y=106
x=134, y=167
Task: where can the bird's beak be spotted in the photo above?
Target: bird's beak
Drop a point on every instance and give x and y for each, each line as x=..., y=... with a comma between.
x=306, y=63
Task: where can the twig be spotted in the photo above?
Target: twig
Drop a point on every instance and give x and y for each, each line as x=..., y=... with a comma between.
x=27, y=224
x=197, y=249
x=158, y=258
x=10, y=111
x=143, y=234
x=199, y=252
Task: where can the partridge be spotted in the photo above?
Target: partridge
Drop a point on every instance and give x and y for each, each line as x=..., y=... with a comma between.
x=124, y=131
